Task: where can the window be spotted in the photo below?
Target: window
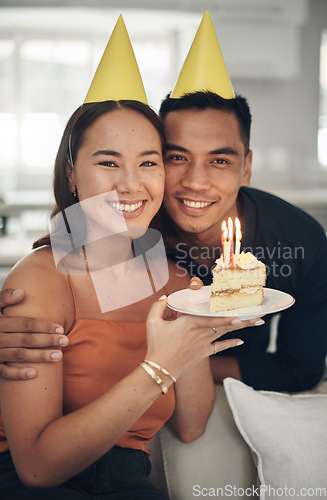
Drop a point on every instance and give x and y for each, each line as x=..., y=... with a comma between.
x=8, y=118
x=46, y=67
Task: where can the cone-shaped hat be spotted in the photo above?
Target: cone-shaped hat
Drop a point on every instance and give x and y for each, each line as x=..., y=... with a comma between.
x=117, y=76
x=204, y=68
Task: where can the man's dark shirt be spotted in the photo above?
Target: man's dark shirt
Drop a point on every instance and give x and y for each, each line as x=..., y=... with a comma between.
x=294, y=248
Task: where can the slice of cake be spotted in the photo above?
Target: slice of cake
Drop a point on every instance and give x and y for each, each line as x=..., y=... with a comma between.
x=238, y=283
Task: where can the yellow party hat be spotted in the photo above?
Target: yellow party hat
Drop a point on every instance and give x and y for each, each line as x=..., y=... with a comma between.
x=204, y=68
x=117, y=76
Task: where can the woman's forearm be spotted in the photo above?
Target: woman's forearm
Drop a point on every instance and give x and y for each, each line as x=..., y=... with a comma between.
x=69, y=444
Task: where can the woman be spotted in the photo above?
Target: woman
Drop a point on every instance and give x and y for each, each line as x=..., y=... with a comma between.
x=80, y=429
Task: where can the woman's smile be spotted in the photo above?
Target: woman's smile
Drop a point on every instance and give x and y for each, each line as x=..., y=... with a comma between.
x=127, y=209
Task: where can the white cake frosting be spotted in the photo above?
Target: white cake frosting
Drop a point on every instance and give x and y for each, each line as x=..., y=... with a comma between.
x=245, y=261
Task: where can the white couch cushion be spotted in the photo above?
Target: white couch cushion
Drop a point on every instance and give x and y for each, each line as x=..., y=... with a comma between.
x=287, y=434
x=217, y=463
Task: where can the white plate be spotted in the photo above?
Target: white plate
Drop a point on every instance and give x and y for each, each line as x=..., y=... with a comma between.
x=196, y=302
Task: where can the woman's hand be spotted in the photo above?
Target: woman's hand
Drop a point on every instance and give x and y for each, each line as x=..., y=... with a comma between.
x=180, y=344
x=195, y=283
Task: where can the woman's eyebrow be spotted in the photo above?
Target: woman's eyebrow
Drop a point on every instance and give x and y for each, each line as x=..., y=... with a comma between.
x=107, y=152
x=150, y=152
x=110, y=152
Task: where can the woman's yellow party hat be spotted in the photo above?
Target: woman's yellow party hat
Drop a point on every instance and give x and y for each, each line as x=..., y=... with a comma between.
x=117, y=76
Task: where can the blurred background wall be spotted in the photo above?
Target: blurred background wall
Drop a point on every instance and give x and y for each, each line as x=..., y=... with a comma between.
x=275, y=51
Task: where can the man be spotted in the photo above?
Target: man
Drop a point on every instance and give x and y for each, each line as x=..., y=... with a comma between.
x=208, y=166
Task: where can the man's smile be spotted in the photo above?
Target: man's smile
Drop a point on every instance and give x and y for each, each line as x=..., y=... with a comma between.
x=194, y=207
x=195, y=204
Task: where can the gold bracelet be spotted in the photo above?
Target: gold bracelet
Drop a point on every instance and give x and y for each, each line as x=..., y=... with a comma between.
x=155, y=377
x=163, y=370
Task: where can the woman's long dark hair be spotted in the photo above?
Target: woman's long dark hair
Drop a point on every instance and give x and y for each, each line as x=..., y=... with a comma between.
x=72, y=140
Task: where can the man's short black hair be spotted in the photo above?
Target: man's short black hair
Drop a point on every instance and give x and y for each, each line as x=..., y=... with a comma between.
x=203, y=100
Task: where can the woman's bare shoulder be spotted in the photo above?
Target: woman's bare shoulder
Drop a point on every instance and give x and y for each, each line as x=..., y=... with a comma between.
x=37, y=267
x=40, y=256
x=46, y=289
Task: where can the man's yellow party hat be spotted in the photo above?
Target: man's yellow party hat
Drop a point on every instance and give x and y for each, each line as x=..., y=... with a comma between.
x=204, y=68
x=117, y=76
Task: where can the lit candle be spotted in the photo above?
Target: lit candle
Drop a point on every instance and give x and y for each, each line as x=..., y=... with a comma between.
x=227, y=251
x=230, y=240
x=238, y=239
x=227, y=241
x=223, y=239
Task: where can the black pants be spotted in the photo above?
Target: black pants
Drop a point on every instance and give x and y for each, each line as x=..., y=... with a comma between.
x=121, y=474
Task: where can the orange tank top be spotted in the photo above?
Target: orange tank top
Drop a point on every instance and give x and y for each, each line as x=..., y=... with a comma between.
x=100, y=353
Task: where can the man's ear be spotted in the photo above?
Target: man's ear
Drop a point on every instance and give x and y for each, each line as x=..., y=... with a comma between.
x=246, y=174
x=70, y=174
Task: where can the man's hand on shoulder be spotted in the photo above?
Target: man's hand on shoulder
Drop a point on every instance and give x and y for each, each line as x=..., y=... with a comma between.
x=26, y=340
